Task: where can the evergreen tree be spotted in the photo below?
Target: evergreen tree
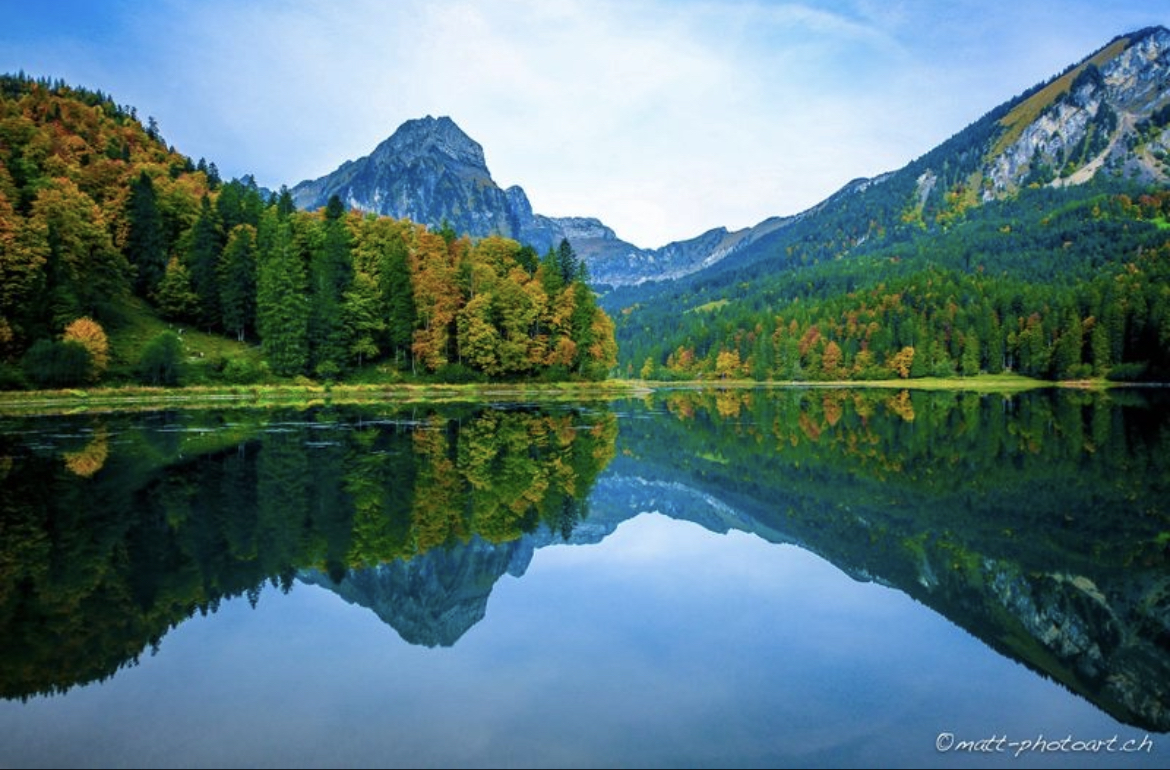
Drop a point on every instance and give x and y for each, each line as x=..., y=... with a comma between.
x=237, y=281
x=203, y=256
x=146, y=241
x=567, y=262
x=282, y=308
x=331, y=273
x=398, y=295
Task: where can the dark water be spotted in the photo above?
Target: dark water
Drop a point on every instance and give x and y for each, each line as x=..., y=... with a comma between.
x=737, y=579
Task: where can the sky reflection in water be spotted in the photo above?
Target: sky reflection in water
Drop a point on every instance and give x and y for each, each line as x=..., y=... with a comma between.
x=664, y=645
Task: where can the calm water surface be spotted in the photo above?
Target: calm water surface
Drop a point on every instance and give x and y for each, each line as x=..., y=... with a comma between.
x=736, y=579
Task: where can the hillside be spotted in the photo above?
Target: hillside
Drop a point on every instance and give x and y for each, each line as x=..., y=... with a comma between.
x=1031, y=240
x=108, y=235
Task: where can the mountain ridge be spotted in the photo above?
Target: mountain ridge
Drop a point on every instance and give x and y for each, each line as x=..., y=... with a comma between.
x=1063, y=131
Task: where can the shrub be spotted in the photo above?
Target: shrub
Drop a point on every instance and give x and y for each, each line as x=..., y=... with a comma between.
x=241, y=371
x=1129, y=372
x=63, y=364
x=161, y=361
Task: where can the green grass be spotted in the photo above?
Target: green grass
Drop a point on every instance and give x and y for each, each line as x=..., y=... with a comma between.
x=709, y=306
x=307, y=393
x=203, y=352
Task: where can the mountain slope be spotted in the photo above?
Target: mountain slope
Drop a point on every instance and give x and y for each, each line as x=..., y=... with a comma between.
x=1077, y=150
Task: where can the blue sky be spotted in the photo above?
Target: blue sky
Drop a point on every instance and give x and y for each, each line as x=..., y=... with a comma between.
x=663, y=118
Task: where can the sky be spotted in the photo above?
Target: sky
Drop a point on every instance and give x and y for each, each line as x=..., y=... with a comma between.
x=662, y=118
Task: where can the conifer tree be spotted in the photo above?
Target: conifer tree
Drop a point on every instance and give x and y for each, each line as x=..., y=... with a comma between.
x=282, y=310
x=146, y=242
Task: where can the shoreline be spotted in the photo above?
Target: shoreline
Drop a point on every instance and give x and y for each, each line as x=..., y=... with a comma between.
x=138, y=398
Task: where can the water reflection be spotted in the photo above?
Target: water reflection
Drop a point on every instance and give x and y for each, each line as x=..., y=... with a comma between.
x=117, y=529
x=1039, y=523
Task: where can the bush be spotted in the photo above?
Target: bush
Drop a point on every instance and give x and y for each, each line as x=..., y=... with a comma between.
x=11, y=378
x=1131, y=372
x=457, y=373
x=161, y=361
x=241, y=371
x=63, y=364
x=90, y=334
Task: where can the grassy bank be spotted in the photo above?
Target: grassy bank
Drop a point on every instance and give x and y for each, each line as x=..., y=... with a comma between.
x=136, y=398
x=983, y=383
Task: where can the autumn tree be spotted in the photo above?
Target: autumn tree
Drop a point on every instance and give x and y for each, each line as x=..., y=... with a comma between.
x=91, y=336
x=84, y=273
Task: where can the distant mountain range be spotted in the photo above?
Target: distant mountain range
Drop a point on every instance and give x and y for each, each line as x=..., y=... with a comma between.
x=1095, y=118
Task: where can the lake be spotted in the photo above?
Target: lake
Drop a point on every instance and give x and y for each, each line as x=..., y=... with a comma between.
x=727, y=578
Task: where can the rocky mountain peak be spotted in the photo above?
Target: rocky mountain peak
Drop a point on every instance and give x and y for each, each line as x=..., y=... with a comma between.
x=430, y=137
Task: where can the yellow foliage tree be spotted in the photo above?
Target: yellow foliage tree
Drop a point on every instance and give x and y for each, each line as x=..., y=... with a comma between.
x=727, y=364
x=902, y=361
x=92, y=337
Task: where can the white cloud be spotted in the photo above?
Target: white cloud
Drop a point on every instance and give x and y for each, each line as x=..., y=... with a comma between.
x=663, y=119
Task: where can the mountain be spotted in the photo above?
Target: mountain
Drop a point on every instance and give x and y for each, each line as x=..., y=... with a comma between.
x=1104, y=117
x=1024, y=221
x=430, y=171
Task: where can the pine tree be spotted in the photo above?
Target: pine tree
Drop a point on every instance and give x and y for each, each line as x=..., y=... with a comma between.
x=331, y=273
x=567, y=262
x=146, y=241
x=237, y=281
x=203, y=256
x=282, y=309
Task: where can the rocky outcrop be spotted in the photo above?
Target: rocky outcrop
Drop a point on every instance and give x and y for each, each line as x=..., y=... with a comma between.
x=429, y=171
x=1094, y=118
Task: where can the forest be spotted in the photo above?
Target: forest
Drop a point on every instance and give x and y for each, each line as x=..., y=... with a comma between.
x=104, y=230
x=1053, y=283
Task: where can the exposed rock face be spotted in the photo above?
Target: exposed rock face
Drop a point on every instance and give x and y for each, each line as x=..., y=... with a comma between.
x=1095, y=117
x=429, y=171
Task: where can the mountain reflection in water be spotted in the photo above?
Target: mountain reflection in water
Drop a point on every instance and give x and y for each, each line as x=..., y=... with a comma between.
x=1036, y=522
